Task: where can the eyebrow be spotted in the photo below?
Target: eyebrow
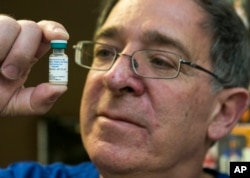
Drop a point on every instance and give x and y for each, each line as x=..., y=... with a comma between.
x=148, y=37
x=157, y=38
x=111, y=32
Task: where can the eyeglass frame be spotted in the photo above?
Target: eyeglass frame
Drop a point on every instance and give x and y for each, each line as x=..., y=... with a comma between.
x=117, y=54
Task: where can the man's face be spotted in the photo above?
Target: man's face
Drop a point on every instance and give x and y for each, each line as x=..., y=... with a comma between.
x=134, y=124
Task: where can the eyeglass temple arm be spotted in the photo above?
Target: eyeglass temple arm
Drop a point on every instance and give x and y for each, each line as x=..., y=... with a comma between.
x=199, y=68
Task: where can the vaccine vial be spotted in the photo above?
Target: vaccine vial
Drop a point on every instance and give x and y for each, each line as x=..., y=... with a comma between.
x=58, y=63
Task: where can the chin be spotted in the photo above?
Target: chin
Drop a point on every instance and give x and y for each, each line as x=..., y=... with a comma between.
x=114, y=159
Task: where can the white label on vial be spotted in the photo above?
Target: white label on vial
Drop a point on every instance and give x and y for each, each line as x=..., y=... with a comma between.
x=58, y=69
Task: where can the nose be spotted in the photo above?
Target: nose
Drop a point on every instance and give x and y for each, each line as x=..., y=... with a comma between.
x=121, y=79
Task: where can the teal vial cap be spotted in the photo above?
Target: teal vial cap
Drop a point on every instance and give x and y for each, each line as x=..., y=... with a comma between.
x=58, y=44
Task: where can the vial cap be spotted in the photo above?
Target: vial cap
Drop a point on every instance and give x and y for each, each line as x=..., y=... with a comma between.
x=58, y=44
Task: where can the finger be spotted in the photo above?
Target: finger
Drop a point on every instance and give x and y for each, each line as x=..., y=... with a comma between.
x=12, y=28
x=33, y=100
x=21, y=56
x=51, y=31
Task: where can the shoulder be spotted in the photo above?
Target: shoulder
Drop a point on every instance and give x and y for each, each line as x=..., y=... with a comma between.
x=215, y=173
x=36, y=170
x=220, y=175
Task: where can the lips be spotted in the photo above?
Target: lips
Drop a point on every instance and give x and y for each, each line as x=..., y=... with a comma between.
x=128, y=119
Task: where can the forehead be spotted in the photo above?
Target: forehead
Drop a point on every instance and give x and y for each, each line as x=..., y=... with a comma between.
x=178, y=19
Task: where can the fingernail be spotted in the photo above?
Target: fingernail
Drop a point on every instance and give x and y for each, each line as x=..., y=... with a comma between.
x=11, y=72
x=62, y=31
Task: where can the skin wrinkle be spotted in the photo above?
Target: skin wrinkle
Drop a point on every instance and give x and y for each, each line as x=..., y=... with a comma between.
x=174, y=112
x=164, y=107
x=113, y=34
x=148, y=38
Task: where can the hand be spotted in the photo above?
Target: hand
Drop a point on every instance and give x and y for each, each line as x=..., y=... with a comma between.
x=22, y=43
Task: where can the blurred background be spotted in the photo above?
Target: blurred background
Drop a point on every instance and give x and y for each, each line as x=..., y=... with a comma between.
x=54, y=136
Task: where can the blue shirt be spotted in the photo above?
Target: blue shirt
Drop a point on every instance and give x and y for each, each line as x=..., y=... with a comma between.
x=56, y=170
x=60, y=170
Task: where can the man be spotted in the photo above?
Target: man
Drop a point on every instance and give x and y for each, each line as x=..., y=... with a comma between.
x=167, y=80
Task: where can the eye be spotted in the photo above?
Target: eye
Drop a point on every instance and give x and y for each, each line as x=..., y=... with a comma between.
x=103, y=56
x=163, y=62
x=104, y=53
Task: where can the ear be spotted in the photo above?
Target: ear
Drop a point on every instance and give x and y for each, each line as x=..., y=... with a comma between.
x=229, y=108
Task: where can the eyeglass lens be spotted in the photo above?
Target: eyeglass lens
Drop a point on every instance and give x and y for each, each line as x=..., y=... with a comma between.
x=146, y=63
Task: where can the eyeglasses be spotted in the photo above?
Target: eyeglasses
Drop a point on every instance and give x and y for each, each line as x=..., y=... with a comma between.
x=149, y=63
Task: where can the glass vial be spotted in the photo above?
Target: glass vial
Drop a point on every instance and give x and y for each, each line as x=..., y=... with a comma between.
x=58, y=63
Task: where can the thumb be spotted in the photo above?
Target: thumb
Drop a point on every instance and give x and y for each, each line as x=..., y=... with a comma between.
x=34, y=100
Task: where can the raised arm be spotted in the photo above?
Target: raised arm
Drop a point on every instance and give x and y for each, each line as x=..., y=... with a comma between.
x=22, y=43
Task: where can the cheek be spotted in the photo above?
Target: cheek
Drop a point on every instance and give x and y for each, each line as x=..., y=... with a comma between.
x=90, y=98
x=92, y=89
x=169, y=102
x=180, y=113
